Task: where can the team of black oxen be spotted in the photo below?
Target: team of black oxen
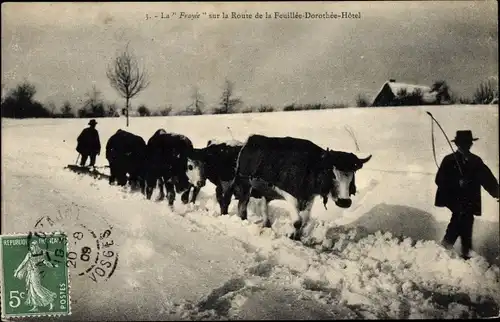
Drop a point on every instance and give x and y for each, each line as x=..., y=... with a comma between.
x=272, y=168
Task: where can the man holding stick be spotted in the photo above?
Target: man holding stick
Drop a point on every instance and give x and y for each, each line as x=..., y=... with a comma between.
x=89, y=144
x=459, y=180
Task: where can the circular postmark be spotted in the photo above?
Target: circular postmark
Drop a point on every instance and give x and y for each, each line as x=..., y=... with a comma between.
x=92, y=250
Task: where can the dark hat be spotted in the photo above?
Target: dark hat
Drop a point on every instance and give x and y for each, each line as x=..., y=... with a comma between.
x=464, y=136
x=92, y=122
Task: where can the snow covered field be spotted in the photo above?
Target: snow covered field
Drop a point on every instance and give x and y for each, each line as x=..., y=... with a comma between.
x=378, y=259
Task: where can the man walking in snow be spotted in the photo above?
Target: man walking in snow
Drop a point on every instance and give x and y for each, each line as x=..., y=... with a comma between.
x=89, y=144
x=459, y=180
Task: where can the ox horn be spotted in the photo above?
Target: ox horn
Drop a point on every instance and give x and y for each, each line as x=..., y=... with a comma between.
x=366, y=159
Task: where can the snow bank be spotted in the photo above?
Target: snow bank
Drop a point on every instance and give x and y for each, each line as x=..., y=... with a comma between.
x=387, y=276
x=378, y=259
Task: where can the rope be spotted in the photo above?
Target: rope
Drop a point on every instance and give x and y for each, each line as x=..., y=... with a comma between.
x=398, y=171
x=351, y=133
x=433, y=143
x=447, y=140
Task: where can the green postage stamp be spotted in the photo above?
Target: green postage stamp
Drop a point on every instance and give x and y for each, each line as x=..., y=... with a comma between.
x=35, y=278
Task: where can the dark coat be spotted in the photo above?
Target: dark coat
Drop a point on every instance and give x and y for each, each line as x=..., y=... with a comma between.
x=88, y=142
x=466, y=199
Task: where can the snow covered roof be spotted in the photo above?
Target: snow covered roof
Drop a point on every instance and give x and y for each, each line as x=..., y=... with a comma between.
x=410, y=88
x=396, y=87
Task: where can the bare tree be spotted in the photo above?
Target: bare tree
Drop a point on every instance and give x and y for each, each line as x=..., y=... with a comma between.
x=24, y=92
x=3, y=93
x=198, y=103
x=485, y=93
x=143, y=111
x=166, y=111
x=442, y=91
x=127, y=77
x=66, y=110
x=52, y=108
x=362, y=101
x=19, y=102
x=112, y=110
x=93, y=96
x=228, y=102
x=93, y=106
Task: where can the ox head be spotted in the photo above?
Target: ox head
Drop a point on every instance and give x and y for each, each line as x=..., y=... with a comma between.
x=190, y=172
x=195, y=168
x=342, y=167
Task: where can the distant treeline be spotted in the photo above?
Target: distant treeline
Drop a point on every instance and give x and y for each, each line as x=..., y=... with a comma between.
x=19, y=102
x=129, y=79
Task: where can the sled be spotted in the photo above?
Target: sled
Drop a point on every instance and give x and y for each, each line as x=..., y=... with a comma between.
x=92, y=171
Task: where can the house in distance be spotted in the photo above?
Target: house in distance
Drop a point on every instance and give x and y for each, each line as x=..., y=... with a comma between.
x=394, y=93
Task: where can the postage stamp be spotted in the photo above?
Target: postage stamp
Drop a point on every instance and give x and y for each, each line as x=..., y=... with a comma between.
x=35, y=279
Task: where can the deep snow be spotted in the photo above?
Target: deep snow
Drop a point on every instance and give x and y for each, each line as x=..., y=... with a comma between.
x=195, y=264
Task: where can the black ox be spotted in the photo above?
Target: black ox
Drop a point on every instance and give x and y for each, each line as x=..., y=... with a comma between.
x=295, y=170
x=218, y=162
x=171, y=162
x=125, y=153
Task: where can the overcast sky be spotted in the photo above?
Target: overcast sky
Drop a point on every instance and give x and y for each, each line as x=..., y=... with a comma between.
x=63, y=48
